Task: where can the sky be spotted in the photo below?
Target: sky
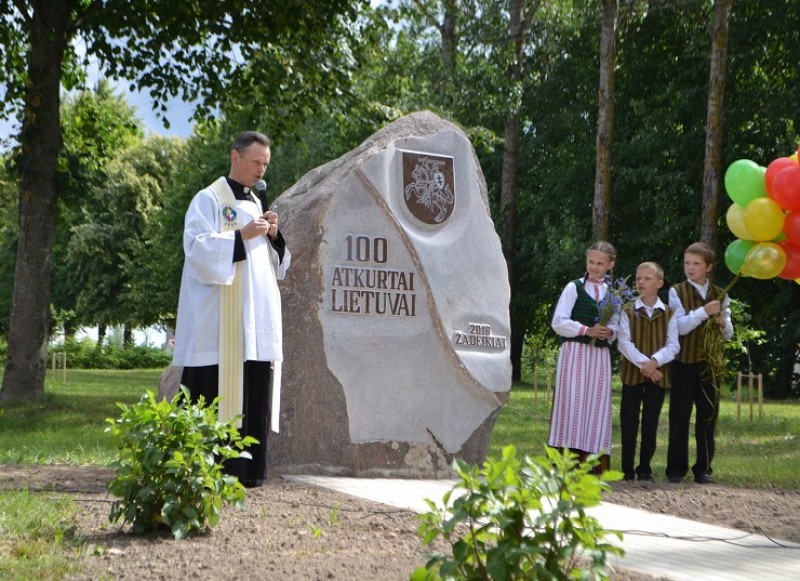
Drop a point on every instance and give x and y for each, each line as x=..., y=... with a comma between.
x=178, y=113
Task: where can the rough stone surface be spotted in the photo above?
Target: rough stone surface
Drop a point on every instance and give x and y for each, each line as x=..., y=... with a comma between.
x=396, y=323
x=170, y=382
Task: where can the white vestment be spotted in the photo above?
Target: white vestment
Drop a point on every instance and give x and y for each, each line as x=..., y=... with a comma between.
x=208, y=267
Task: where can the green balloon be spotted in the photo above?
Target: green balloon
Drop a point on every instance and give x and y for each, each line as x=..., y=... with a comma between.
x=736, y=253
x=744, y=181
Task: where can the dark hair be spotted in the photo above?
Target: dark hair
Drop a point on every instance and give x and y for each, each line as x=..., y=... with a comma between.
x=248, y=138
x=702, y=250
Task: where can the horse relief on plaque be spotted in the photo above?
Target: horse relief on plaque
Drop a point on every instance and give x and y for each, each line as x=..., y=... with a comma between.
x=428, y=186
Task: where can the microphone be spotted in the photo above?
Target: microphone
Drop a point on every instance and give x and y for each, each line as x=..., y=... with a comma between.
x=261, y=191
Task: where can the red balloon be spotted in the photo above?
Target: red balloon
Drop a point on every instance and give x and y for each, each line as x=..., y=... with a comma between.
x=774, y=167
x=791, y=227
x=792, y=269
x=786, y=188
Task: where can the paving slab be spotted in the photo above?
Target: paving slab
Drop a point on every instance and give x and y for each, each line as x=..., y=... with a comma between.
x=660, y=545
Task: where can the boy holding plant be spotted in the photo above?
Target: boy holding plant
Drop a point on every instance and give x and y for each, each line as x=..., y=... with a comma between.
x=696, y=303
x=648, y=340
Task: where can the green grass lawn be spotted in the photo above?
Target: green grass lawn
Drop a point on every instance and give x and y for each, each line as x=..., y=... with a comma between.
x=68, y=425
x=759, y=453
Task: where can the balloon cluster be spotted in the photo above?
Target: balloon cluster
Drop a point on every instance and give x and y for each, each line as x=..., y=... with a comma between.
x=765, y=218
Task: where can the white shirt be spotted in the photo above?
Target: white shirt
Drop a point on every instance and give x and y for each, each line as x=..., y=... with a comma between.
x=664, y=355
x=689, y=321
x=208, y=266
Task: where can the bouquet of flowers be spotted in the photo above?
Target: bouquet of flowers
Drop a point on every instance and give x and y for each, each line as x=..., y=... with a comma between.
x=610, y=305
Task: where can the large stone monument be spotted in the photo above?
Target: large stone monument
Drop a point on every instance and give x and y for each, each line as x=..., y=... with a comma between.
x=396, y=325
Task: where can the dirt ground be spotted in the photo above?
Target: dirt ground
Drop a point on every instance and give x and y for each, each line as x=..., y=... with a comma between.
x=294, y=531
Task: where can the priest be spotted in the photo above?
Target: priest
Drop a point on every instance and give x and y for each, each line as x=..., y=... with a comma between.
x=228, y=333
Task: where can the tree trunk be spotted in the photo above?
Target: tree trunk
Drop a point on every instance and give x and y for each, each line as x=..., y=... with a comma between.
x=508, y=181
x=447, y=30
x=101, y=334
x=127, y=336
x=601, y=206
x=712, y=167
x=26, y=362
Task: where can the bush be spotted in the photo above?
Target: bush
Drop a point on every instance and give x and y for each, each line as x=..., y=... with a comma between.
x=520, y=520
x=169, y=468
x=87, y=354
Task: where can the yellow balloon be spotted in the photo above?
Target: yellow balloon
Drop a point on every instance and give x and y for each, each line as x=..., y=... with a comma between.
x=764, y=218
x=765, y=260
x=735, y=220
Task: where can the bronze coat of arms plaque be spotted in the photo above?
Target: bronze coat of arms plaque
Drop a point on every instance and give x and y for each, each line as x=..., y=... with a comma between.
x=428, y=186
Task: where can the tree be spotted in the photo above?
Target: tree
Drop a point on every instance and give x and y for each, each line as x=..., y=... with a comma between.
x=111, y=253
x=712, y=169
x=605, y=120
x=206, y=52
x=96, y=125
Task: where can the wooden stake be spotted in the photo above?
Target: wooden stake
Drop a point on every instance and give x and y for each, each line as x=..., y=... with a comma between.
x=739, y=396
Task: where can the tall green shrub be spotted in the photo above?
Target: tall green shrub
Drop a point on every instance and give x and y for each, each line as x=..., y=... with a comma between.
x=523, y=519
x=169, y=470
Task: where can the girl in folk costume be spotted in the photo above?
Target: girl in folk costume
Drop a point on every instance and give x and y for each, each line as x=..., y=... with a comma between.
x=581, y=415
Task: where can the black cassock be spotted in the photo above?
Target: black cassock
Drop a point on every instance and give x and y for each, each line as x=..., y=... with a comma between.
x=255, y=405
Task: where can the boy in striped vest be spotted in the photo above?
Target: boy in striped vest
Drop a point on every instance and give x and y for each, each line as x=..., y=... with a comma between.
x=695, y=301
x=648, y=340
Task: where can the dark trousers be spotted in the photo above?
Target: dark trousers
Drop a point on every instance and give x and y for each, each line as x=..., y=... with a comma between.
x=640, y=401
x=689, y=389
x=255, y=407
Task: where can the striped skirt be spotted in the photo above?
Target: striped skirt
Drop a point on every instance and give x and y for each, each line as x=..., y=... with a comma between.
x=581, y=416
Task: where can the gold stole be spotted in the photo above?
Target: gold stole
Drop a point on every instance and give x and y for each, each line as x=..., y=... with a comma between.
x=231, y=333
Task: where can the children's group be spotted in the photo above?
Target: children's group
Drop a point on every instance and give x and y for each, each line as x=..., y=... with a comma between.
x=662, y=347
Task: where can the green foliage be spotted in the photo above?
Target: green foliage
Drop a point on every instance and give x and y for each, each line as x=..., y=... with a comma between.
x=520, y=519
x=169, y=470
x=97, y=127
x=113, y=255
x=87, y=354
x=744, y=337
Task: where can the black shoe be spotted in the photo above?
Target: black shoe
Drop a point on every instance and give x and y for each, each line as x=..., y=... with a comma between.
x=252, y=483
x=674, y=479
x=704, y=478
x=646, y=478
x=629, y=477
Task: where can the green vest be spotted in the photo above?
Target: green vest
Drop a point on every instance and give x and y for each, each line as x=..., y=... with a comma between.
x=586, y=312
x=648, y=335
